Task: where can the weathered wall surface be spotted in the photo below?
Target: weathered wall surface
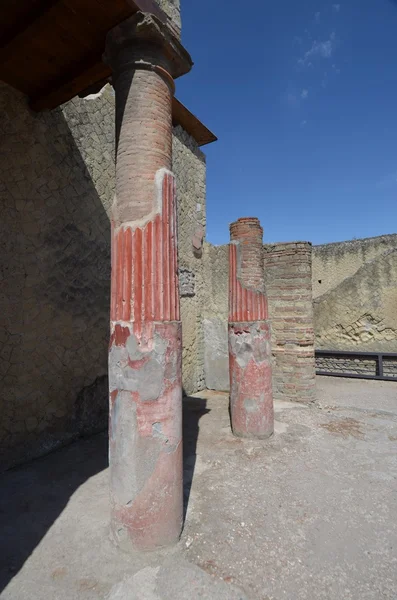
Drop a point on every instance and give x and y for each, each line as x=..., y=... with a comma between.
x=190, y=171
x=56, y=188
x=360, y=313
x=215, y=317
x=333, y=263
x=173, y=10
x=55, y=272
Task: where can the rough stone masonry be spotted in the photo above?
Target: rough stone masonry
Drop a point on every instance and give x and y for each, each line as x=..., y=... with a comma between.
x=251, y=400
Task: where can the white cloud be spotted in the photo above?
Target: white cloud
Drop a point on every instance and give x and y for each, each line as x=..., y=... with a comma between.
x=319, y=49
x=317, y=17
x=303, y=123
x=336, y=7
x=304, y=94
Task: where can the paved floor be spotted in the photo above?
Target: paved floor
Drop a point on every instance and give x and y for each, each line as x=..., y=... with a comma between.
x=357, y=393
x=310, y=514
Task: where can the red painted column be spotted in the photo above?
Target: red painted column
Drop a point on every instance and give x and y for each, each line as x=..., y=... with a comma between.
x=251, y=400
x=145, y=445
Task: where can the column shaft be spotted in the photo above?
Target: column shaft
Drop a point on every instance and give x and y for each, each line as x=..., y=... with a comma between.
x=251, y=400
x=145, y=425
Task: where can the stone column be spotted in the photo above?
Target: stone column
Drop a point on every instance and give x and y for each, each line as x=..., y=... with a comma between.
x=251, y=400
x=145, y=445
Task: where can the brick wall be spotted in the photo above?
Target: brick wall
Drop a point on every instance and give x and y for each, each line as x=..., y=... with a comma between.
x=249, y=233
x=289, y=291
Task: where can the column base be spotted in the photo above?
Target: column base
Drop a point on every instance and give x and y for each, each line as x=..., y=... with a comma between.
x=251, y=399
x=145, y=435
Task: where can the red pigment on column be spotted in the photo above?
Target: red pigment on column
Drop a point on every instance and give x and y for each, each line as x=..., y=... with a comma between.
x=145, y=353
x=145, y=382
x=251, y=400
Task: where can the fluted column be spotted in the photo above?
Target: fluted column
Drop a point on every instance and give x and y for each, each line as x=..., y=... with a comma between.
x=251, y=400
x=145, y=445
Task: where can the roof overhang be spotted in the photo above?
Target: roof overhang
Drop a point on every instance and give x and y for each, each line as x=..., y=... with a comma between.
x=183, y=117
x=51, y=50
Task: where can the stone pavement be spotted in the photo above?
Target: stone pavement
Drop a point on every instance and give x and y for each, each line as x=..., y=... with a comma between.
x=309, y=514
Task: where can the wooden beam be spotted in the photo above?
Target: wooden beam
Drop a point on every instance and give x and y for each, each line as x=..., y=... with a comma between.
x=85, y=73
x=191, y=124
x=20, y=17
x=93, y=71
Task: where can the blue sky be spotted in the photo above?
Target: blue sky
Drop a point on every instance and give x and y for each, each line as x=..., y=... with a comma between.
x=303, y=97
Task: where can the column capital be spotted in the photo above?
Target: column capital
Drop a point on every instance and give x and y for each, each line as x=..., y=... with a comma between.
x=143, y=40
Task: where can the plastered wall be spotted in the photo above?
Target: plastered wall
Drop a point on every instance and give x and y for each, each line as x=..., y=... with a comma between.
x=56, y=188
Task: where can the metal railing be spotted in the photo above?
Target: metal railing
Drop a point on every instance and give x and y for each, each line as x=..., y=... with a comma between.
x=378, y=357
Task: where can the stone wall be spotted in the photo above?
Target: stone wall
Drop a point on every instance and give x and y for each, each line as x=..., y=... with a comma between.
x=190, y=170
x=173, y=10
x=55, y=272
x=215, y=317
x=359, y=313
x=356, y=365
x=288, y=287
x=333, y=263
x=56, y=188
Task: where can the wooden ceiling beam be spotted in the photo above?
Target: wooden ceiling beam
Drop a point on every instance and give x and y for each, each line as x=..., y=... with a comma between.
x=23, y=26
x=191, y=124
x=24, y=16
x=80, y=78
x=87, y=72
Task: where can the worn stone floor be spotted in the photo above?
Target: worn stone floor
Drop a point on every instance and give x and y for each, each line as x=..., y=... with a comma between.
x=309, y=514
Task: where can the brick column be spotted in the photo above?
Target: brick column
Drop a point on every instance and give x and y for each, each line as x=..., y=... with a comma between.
x=289, y=287
x=251, y=400
x=145, y=445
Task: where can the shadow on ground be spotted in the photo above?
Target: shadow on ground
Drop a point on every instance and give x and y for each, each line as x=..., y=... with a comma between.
x=34, y=495
x=193, y=410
